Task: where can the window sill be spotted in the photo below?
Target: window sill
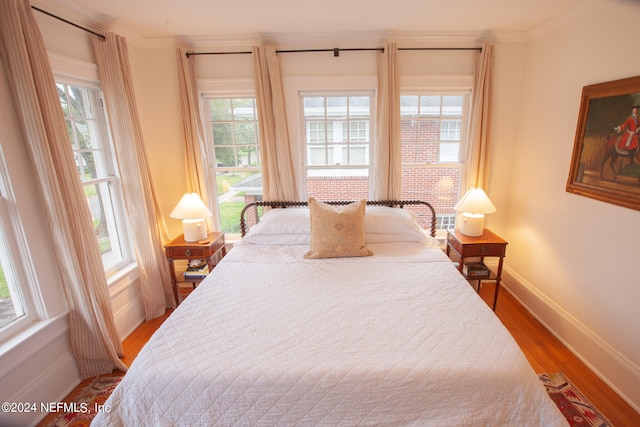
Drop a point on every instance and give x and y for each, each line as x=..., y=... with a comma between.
x=31, y=340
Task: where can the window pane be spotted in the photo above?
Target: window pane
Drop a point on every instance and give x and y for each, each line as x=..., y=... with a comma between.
x=449, y=153
x=450, y=130
x=319, y=156
x=246, y=133
x=432, y=138
x=359, y=107
x=87, y=165
x=338, y=184
x=94, y=159
x=244, y=109
x=409, y=106
x=430, y=106
x=437, y=184
x=235, y=189
x=225, y=157
x=220, y=109
x=428, y=130
x=452, y=105
x=235, y=134
x=99, y=197
x=223, y=133
x=337, y=135
x=80, y=102
x=11, y=307
x=249, y=156
x=337, y=107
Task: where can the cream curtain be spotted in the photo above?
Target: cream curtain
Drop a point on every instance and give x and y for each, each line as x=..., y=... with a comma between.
x=146, y=221
x=278, y=175
x=388, y=155
x=197, y=171
x=477, y=153
x=94, y=339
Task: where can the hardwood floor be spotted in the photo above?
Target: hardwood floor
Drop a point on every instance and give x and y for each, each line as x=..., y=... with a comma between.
x=544, y=352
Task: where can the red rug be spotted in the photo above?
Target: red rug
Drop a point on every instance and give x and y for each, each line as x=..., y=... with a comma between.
x=573, y=405
x=88, y=402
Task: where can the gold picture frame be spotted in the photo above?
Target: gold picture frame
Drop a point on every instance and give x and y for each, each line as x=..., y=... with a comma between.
x=605, y=164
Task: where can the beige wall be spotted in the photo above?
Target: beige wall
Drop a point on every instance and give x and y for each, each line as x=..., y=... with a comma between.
x=576, y=258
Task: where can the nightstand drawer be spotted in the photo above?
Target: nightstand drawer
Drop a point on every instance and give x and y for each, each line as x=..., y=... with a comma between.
x=483, y=250
x=186, y=253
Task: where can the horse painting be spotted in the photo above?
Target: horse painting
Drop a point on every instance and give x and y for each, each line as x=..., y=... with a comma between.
x=612, y=152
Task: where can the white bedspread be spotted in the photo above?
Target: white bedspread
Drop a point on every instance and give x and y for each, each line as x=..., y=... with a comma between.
x=271, y=338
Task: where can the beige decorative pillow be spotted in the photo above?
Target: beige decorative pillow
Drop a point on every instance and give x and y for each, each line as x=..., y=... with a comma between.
x=337, y=231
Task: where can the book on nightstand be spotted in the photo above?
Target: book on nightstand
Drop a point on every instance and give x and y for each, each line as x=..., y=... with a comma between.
x=476, y=269
x=196, y=270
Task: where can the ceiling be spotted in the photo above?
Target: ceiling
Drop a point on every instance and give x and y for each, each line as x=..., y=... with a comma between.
x=216, y=18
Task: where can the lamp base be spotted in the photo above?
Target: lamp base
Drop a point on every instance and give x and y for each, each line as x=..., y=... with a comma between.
x=472, y=224
x=194, y=229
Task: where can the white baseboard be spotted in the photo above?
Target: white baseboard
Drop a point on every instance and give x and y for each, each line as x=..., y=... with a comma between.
x=620, y=373
x=58, y=379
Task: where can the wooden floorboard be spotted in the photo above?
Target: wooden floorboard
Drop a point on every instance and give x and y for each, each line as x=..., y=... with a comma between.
x=544, y=352
x=547, y=354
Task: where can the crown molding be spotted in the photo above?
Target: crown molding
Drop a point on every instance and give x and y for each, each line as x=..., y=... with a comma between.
x=75, y=12
x=348, y=39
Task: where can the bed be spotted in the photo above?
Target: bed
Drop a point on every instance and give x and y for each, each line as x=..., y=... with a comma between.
x=280, y=335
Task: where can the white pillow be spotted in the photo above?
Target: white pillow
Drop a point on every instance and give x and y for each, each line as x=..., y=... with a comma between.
x=384, y=224
x=291, y=226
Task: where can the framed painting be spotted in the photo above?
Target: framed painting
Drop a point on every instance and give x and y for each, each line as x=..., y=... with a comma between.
x=605, y=164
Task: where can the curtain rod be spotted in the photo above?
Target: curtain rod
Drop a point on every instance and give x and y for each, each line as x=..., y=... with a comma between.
x=69, y=22
x=336, y=51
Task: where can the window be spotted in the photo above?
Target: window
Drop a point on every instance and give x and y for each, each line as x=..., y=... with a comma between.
x=433, y=136
x=14, y=308
x=337, y=139
x=233, y=136
x=95, y=162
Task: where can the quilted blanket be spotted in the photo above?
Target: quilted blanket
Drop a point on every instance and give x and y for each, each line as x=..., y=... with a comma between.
x=273, y=339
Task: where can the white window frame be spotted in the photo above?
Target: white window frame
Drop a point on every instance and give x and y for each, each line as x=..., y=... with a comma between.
x=75, y=72
x=340, y=128
x=443, y=85
x=16, y=260
x=117, y=222
x=221, y=89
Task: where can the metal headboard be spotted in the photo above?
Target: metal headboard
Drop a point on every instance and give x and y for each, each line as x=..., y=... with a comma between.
x=391, y=203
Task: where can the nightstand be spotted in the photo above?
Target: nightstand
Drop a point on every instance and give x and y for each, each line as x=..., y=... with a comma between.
x=211, y=250
x=488, y=244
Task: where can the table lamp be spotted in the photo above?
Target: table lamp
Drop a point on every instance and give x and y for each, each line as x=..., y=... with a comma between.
x=192, y=211
x=474, y=205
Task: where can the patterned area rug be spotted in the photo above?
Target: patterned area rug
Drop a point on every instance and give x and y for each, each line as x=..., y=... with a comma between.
x=573, y=405
x=88, y=402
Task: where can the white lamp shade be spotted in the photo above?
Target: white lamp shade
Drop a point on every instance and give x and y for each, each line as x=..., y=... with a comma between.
x=190, y=206
x=475, y=201
x=192, y=211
